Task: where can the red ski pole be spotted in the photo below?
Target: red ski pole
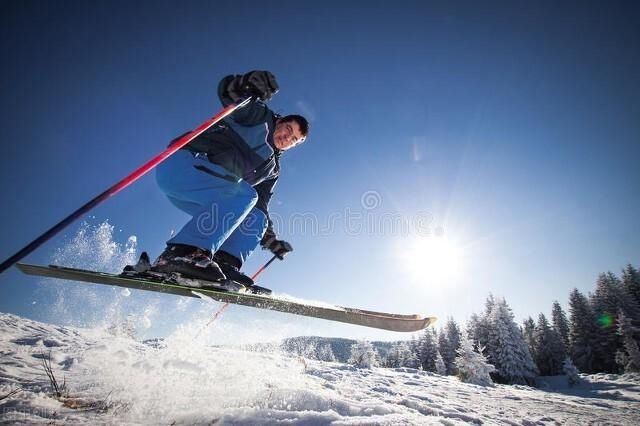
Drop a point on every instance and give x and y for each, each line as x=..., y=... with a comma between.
x=138, y=173
x=261, y=270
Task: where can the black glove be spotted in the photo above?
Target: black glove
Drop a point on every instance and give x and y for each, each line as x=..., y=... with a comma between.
x=260, y=84
x=278, y=247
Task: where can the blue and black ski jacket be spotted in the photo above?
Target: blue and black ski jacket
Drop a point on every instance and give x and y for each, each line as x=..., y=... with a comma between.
x=243, y=144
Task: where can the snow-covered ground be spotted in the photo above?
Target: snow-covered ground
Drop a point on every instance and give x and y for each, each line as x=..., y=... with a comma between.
x=117, y=380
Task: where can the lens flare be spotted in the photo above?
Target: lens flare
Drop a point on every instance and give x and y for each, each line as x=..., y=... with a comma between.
x=606, y=320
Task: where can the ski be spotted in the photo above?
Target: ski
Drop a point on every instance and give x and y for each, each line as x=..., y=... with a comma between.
x=366, y=318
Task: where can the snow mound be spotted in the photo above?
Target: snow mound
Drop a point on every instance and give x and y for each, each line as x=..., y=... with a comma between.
x=113, y=379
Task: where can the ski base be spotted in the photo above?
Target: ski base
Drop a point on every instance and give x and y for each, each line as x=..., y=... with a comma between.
x=373, y=319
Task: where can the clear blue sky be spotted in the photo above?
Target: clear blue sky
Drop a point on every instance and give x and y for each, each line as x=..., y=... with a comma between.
x=512, y=125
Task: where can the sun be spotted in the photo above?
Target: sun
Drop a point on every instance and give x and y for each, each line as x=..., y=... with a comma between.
x=432, y=258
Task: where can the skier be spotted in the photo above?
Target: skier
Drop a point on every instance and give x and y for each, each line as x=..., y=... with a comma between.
x=224, y=180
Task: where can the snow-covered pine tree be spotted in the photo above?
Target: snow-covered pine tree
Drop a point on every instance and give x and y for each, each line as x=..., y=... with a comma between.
x=391, y=359
x=478, y=326
x=528, y=332
x=303, y=347
x=606, y=301
x=444, y=348
x=507, y=349
x=629, y=358
x=428, y=349
x=412, y=360
x=441, y=368
x=414, y=345
x=325, y=353
x=300, y=346
x=631, y=304
x=560, y=323
x=582, y=329
x=400, y=355
x=570, y=371
x=549, y=349
x=406, y=356
x=453, y=333
x=472, y=366
x=414, y=349
x=488, y=305
x=631, y=284
x=475, y=328
x=310, y=351
x=363, y=355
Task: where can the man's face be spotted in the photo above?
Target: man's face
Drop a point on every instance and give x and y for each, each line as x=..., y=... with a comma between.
x=287, y=135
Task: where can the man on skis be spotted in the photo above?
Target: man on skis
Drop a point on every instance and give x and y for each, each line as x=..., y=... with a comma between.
x=224, y=180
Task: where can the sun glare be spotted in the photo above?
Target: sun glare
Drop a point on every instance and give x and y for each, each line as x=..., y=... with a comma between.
x=433, y=258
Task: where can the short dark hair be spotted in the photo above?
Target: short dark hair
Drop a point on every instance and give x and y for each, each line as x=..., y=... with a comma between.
x=302, y=122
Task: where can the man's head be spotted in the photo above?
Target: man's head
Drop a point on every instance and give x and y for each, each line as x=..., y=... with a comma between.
x=290, y=131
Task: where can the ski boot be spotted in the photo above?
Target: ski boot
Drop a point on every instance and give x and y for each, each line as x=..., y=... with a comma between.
x=143, y=265
x=193, y=267
x=230, y=266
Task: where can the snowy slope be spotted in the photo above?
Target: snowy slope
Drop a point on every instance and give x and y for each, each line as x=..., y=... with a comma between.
x=114, y=379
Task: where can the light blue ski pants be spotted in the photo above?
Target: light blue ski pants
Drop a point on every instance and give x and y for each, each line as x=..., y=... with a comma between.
x=221, y=206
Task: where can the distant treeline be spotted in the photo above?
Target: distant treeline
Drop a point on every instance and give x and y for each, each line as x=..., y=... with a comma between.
x=600, y=334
